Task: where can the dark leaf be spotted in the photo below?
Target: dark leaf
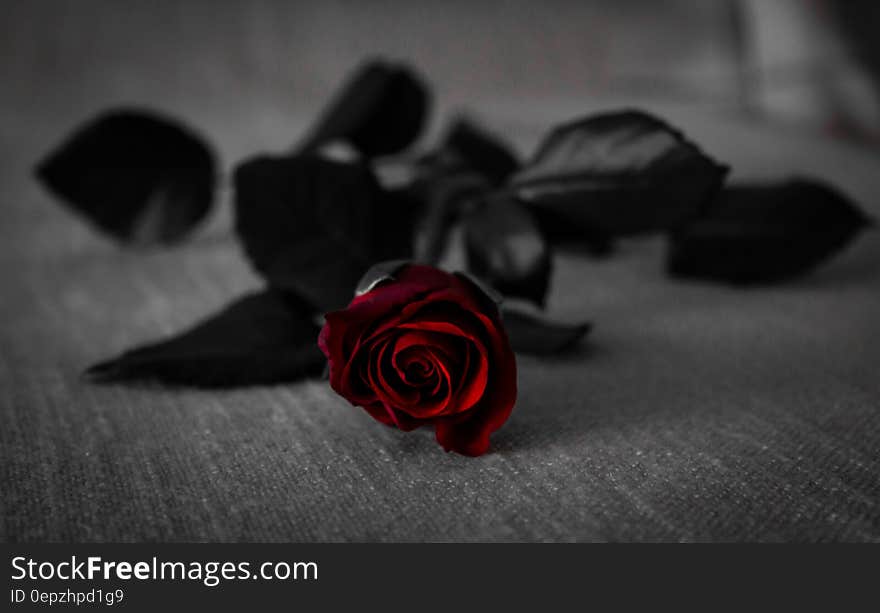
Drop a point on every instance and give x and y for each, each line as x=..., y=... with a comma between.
x=381, y=110
x=505, y=248
x=480, y=151
x=379, y=273
x=479, y=284
x=444, y=199
x=261, y=338
x=616, y=174
x=529, y=333
x=314, y=226
x=754, y=234
x=141, y=178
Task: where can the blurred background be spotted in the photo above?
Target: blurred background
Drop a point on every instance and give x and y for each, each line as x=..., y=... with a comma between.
x=809, y=62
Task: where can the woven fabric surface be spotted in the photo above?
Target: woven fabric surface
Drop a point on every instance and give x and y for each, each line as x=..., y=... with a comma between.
x=693, y=412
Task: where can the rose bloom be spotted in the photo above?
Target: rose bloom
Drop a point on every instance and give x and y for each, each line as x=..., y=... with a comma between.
x=425, y=348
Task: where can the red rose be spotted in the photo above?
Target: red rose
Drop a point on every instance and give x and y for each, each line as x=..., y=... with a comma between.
x=425, y=347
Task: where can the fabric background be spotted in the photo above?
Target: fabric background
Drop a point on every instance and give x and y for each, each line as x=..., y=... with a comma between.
x=694, y=412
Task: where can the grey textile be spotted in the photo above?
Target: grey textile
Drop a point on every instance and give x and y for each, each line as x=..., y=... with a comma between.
x=694, y=411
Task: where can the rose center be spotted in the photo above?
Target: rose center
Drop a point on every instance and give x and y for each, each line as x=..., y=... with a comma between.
x=417, y=367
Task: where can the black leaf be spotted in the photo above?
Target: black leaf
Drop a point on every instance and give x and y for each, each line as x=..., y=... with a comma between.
x=505, y=248
x=616, y=174
x=260, y=338
x=444, y=198
x=141, y=178
x=488, y=291
x=314, y=226
x=480, y=151
x=755, y=234
x=380, y=111
x=529, y=333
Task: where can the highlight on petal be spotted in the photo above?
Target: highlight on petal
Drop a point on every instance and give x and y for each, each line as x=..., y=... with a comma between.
x=379, y=273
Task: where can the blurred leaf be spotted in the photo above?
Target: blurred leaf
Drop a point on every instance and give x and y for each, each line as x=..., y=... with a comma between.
x=490, y=292
x=314, y=226
x=480, y=151
x=755, y=234
x=141, y=178
x=534, y=334
x=380, y=110
x=505, y=248
x=616, y=174
x=444, y=199
x=260, y=338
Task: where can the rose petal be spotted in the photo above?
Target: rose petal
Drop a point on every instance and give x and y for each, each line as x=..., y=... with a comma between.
x=413, y=367
x=388, y=416
x=379, y=380
x=469, y=435
x=432, y=334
